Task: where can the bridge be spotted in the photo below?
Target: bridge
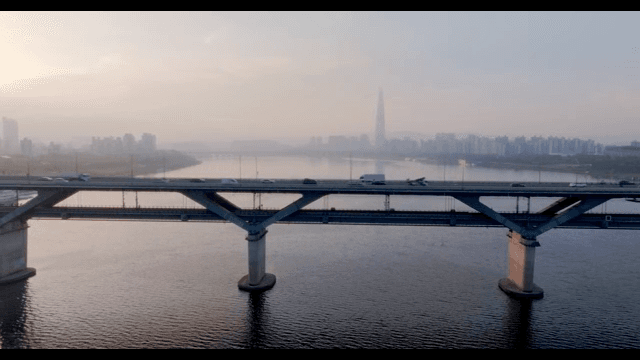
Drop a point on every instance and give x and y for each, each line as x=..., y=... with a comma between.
x=568, y=209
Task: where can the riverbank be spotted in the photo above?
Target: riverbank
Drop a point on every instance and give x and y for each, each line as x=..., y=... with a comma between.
x=96, y=165
x=596, y=166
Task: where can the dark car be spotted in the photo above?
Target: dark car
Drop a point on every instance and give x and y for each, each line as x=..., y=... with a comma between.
x=309, y=181
x=197, y=180
x=625, y=182
x=517, y=185
x=378, y=182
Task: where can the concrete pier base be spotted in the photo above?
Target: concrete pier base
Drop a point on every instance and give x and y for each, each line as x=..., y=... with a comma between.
x=13, y=253
x=267, y=282
x=18, y=276
x=522, y=254
x=257, y=279
x=511, y=289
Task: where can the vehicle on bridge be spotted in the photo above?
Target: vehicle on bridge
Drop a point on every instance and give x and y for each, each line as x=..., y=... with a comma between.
x=229, y=181
x=267, y=181
x=71, y=176
x=309, y=182
x=419, y=181
x=197, y=180
x=372, y=177
x=577, y=184
x=517, y=185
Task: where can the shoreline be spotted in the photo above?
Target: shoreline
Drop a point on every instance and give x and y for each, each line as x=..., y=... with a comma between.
x=96, y=165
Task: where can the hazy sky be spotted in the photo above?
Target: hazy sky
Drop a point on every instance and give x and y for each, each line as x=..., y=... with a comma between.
x=223, y=76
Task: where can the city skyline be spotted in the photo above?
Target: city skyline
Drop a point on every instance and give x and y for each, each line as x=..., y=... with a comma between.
x=408, y=143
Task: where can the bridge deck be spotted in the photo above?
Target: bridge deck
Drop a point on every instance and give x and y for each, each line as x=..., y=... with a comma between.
x=392, y=187
x=569, y=211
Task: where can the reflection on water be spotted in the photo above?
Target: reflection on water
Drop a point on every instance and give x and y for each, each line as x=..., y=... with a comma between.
x=256, y=320
x=166, y=285
x=12, y=315
x=517, y=323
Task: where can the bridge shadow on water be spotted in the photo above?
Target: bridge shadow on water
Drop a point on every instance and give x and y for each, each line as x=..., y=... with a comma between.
x=12, y=315
x=255, y=331
x=516, y=331
x=517, y=324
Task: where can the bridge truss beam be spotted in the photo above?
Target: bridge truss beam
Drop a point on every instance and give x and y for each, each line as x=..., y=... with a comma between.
x=577, y=207
x=45, y=199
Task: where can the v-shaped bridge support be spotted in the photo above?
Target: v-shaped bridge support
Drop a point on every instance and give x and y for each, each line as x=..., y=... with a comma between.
x=224, y=208
x=577, y=207
x=522, y=239
x=47, y=198
x=257, y=279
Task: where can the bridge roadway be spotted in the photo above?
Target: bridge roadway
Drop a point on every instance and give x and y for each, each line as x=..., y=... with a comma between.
x=392, y=187
x=569, y=211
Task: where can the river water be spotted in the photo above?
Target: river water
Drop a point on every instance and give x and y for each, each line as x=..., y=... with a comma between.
x=125, y=284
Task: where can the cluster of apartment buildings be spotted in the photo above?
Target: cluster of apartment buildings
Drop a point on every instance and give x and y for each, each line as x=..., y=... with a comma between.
x=502, y=146
x=450, y=143
x=10, y=143
x=123, y=145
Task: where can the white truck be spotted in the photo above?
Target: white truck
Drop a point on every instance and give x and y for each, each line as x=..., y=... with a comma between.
x=370, y=178
x=75, y=176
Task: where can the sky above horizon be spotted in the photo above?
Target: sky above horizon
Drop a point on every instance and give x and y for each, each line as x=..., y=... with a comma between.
x=208, y=76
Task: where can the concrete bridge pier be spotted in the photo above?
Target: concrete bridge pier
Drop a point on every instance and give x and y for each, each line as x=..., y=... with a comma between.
x=257, y=279
x=13, y=253
x=522, y=254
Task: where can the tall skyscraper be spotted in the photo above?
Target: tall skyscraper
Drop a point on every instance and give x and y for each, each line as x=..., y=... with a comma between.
x=10, y=141
x=380, y=139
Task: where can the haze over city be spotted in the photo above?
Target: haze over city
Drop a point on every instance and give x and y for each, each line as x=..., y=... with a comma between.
x=207, y=77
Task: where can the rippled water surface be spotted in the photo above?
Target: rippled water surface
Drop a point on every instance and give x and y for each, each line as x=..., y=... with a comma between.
x=120, y=284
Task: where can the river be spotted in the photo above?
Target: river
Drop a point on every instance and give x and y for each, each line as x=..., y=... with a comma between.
x=126, y=284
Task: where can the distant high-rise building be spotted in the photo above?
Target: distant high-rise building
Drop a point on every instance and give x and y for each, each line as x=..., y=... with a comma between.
x=147, y=143
x=380, y=139
x=10, y=136
x=26, y=147
x=129, y=143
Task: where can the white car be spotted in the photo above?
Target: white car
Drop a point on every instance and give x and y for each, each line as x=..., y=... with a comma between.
x=46, y=178
x=577, y=185
x=60, y=180
x=267, y=181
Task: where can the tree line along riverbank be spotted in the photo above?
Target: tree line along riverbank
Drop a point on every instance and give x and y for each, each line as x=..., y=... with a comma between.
x=96, y=164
